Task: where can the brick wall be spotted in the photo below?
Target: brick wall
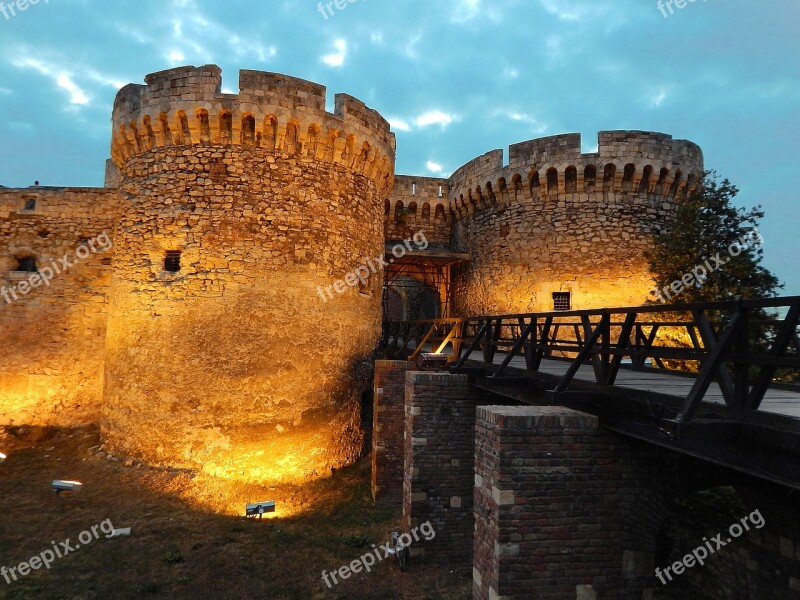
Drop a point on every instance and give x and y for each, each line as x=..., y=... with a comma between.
x=762, y=562
x=388, y=421
x=552, y=492
x=439, y=463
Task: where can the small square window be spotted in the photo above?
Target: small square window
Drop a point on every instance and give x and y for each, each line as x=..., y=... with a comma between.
x=562, y=301
x=30, y=204
x=27, y=264
x=172, y=261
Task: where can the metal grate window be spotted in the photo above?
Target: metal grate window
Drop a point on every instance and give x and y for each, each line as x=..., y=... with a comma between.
x=562, y=301
x=172, y=261
x=27, y=264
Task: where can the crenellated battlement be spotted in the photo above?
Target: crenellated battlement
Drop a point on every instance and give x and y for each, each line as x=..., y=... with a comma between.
x=637, y=162
x=418, y=204
x=185, y=106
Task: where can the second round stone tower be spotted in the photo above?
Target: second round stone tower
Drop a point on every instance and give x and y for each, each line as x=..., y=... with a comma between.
x=222, y=353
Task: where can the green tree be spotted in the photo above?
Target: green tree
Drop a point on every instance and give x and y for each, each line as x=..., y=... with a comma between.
x=720, y=246
x=707, y=231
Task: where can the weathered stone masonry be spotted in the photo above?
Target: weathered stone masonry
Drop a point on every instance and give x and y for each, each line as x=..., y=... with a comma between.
x=52, y=339
x=269, y=199
x=556, y=220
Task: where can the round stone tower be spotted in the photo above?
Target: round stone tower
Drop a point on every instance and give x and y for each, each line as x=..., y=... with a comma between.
x=557, y=229
x=238, y=210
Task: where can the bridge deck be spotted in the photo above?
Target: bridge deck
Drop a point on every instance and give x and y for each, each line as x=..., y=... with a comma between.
x=732, y=412
x=776, y=401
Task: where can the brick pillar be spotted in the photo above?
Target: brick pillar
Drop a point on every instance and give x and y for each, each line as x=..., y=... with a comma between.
x=387, y=431
x=550, y=495
x=439, y=464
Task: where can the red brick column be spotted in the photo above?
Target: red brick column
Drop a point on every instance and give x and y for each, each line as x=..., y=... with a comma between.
x=551, y=491
x=387, y=431
x=439, y=464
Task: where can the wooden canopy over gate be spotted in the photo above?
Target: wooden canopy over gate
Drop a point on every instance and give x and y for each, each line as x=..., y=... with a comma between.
x=432, y=268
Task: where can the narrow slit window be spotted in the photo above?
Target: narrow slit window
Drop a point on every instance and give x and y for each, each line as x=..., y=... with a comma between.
x=172, y=261
x=562, y=301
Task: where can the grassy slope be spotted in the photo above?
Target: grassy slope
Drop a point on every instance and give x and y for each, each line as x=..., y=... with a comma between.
x=178, y=550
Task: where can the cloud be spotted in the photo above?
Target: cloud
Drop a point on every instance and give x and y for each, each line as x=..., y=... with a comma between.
x=427, y=119
x=434, y=117
x=465, y=10
x=244, y=48
x=105, y=80
x=433, y=167
x=176, y=57
x=657, y=98
x=576, y=11
x=61, y=77
x=536, y=126
x=510, y=73
x=336, y=59
x=410, y=48
x=399, y=124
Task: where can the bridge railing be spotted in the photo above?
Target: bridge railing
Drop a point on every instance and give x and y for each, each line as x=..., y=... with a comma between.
x=742, y=345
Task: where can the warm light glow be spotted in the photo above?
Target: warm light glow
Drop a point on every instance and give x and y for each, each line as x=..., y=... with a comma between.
x=2, y=458
x=67, y=486
x=228, y=497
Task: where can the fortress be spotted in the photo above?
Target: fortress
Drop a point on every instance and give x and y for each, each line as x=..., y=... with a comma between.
x=197, y=338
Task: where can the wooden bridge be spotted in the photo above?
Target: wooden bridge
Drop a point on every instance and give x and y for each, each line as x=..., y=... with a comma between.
x=702, y=379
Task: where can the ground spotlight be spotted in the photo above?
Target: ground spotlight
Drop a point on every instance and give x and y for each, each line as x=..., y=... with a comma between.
x=259, y=509
x=66, y=486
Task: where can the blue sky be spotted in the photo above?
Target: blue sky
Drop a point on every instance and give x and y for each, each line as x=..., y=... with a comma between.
x=456, y=78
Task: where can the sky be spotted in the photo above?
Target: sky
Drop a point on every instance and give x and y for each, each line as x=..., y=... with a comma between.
x=456, y=78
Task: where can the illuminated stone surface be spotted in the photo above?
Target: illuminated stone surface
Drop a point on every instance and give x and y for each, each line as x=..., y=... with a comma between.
x=234, y=363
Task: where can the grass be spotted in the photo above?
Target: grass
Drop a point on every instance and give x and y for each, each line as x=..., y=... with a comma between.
x=178, y=547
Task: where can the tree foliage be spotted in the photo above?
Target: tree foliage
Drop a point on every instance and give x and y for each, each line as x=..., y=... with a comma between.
x=709, y=231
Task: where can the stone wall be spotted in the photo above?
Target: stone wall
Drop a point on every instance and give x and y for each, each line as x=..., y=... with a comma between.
x=557, y=220
x=240, y=362
x=52, y=335
x=418, y=204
